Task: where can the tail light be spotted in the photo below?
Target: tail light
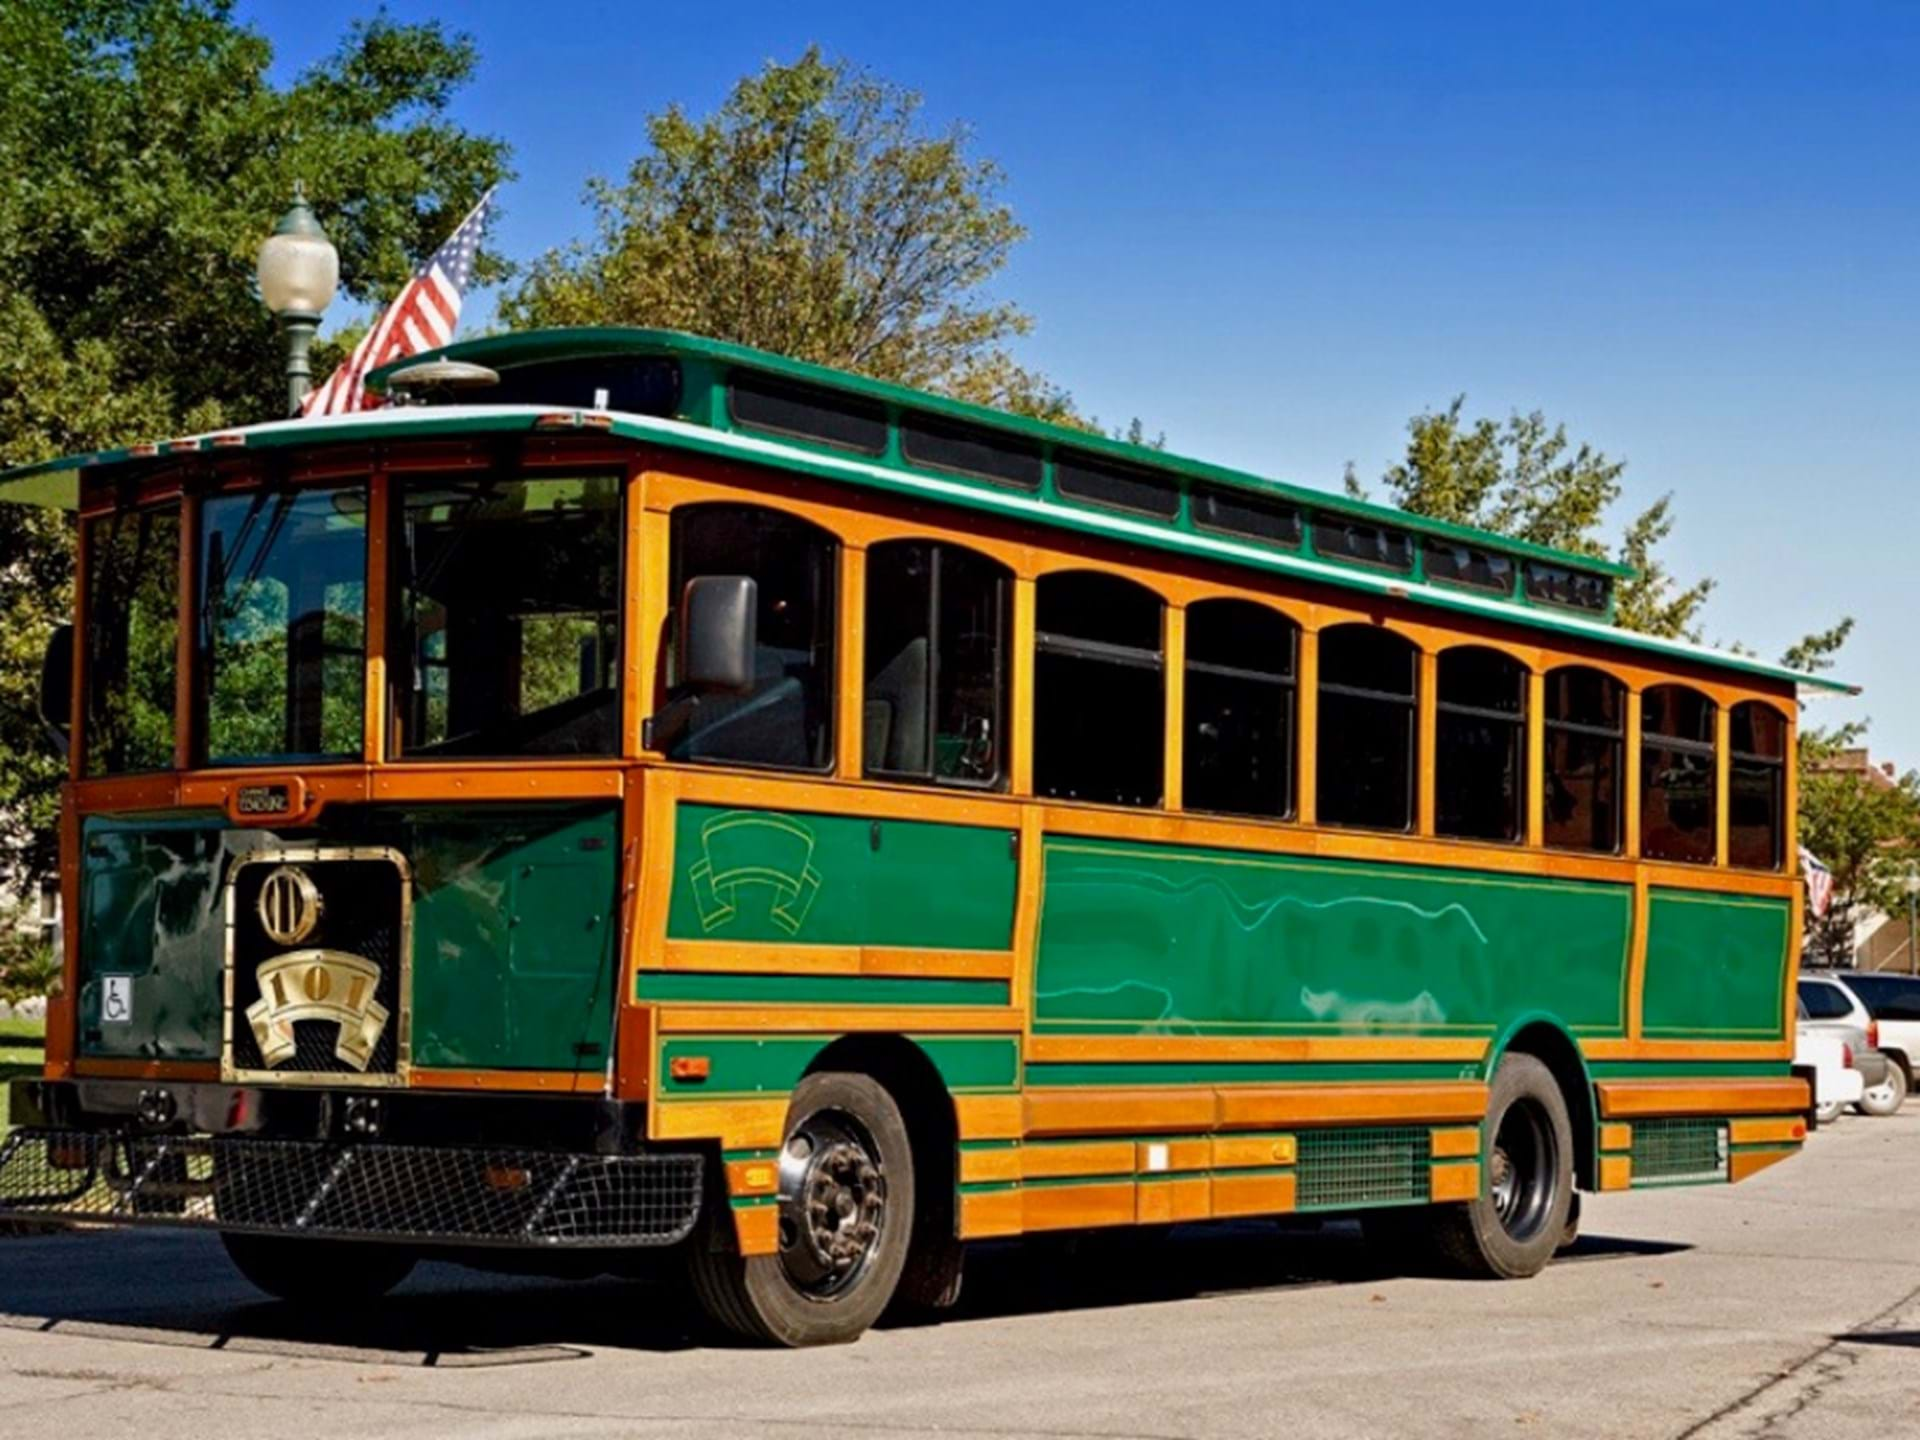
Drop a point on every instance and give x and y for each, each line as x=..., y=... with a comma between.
x=1846, y=1057
x=1873, y=1034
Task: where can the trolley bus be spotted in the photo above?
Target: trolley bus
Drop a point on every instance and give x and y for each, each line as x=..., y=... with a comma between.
x=635, y=794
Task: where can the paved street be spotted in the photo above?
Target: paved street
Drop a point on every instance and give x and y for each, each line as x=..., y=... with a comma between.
x=1788, y=1306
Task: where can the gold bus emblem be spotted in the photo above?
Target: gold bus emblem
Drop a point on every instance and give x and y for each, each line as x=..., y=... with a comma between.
x=289, y=907
x=329, y=985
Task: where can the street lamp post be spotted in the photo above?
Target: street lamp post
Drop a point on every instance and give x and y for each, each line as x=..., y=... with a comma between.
x=299, y=272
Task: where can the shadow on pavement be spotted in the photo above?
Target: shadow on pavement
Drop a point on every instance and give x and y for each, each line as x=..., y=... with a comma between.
x=1907, y=1339
x=177, y=1288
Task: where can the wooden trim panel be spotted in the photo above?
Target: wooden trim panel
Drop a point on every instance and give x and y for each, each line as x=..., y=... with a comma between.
x=1634, y=1099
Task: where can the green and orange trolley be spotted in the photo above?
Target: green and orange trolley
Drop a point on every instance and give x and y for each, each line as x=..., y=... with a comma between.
x=637, y=795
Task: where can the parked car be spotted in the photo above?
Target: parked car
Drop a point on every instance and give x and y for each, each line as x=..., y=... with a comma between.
x=1829, y=1007
x=1894, y=1003
x=1824, y=1060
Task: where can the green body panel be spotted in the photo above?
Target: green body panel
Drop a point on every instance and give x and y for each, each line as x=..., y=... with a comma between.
x=513, y=931
x=1716, y=966
x=776, y=1065
x=1229, y=1072
x=1144, y=940
x=151, y=907
x=513, y=937
x=786, y=878
x=816, y=989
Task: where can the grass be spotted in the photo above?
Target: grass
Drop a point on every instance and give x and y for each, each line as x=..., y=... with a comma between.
x=23, y=1049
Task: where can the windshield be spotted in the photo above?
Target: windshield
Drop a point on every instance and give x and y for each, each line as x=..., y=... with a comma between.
x=508, y=592
x=283, y=624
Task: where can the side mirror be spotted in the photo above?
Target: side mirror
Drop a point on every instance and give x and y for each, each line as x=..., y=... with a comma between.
x=719, y=621
x=56, y=688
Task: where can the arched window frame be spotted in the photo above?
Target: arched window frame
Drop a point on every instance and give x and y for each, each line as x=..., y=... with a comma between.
x=1278, y=673
x=1327, y=639
x=944, y=558
x=1615, y=736
x=1515, y=721
x=1652, y=741
x=1773, y=765
x=1055, y=644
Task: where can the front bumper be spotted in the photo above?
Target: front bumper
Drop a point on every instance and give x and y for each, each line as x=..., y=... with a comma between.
x=458, y=1171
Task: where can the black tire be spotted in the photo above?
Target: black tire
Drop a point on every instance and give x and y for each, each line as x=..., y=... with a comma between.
x=1521, y=1216
x=1883, y=1100
x=846, y=1220
x=1570, y=1236
x=320, y=1273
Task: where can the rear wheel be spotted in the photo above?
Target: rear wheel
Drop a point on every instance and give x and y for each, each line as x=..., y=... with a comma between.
x=1523, y=1213
x=846, y=1217
x=317, y=1272
x=1889, y=1095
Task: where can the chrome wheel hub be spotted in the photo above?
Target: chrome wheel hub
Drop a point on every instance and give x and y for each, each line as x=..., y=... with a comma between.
x=833, y=1203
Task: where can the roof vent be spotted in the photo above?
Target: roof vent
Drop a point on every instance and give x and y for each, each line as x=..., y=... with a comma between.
x=429, y=378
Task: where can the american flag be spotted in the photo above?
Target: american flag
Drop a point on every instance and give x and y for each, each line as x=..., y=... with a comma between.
x=421, y=318
x=1819, y=883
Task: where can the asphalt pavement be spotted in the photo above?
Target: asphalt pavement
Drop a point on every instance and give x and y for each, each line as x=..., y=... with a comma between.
x=1788, y=1306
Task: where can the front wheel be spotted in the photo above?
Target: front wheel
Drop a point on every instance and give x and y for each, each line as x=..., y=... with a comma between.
x=846, y=1218
x=1521, y=1215
x=1889, y=1095
x=1827, y=1112
x=329, y=1273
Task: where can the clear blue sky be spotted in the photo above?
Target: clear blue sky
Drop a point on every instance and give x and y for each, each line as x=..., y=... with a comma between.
x=1691, y=231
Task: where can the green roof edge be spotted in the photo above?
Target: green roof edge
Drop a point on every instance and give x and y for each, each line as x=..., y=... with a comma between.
x=522, y=347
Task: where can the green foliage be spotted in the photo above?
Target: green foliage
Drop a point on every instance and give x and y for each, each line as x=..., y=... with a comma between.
x=1526, y=479
x=811, y=215
x=144, y=153
x=27, y=963
x=1867, y=833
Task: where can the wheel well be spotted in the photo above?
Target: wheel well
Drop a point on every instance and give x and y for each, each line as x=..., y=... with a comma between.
x=1899, y=1057
x=910, y=1077
x=1552, y=1047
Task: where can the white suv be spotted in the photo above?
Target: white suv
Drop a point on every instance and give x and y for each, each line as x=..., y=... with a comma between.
x=1894, y=1003
x=1829, y=1007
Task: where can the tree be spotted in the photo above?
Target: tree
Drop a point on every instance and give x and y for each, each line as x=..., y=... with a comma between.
x=811, y=215
x=1864, y=828
x=1524, y=478
x=143, y=154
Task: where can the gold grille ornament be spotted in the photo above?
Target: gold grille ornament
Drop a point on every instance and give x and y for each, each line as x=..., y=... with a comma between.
x=289, y=906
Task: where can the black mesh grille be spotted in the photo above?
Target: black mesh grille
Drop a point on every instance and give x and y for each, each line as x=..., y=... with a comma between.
x=1375, y=1165
x=361, y=906
x=392, y=1192
x=1672, y=1151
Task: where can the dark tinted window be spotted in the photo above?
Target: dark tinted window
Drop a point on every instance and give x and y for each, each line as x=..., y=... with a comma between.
x=1238, y=756
x=1119, y=487
x=1357, y=540
x=1887, y=997
x=634, y=384
x=1481, y=747
x=508, y=606
x=935, y=702
x=1099, y=701
x=1757, y=786
x=1368, y=683
x=1235, y=514
x=133, y=624
x=1586, y=746
x=970, y=450
x=1823, y=1001
x=1677, y=782
x=786, y=719
x=1453, y=564
x=810, y=412
x=1557, y=585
